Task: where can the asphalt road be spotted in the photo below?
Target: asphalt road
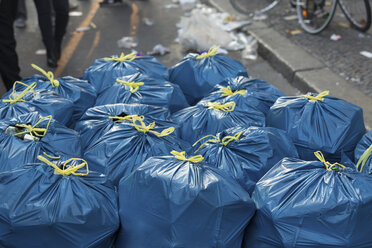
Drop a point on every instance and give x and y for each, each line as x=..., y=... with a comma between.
x=112, y=23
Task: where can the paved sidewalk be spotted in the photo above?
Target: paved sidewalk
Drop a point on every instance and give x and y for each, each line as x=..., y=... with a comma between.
x=314, y=62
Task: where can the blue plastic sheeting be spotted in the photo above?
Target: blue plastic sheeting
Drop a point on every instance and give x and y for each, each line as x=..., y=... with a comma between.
x=257, y=93
x=45, y=102
x=197, y=77
x=331, y=126
x=364, y=144
x=247, y=153
x=41, y=209
x=171, y=203
x=122, y=149
x=200, y=120
x=102, y=74
x=99, y=120
x=156, y=92
x=301, y=204
x=58, y=141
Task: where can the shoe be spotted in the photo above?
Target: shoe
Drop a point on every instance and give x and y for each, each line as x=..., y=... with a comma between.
x=51, y=59
x=73, y=6
x=20, y=22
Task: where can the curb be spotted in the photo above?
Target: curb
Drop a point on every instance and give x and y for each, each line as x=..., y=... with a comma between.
x=302, y=70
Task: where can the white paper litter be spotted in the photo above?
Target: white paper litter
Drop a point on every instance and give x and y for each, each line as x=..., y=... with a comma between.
x=40, y=52
x=148, y=21
x=366, y=54
x=159, y=49
x=127, y=42
x=75, y=13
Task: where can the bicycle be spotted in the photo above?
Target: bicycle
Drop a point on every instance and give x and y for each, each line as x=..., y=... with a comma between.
x=256, y=7
x=315, y=15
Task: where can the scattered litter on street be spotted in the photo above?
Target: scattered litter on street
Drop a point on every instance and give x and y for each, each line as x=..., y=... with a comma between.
x=75, y=13
x=366, y=54
x=250, y=50
x=127, y=42
x=291, y=18
x=148, y=21
x=187, y=4
x=171, y=6
x=40, y=52
x=344, y=24
x=360, y=35
x=293, y=32
x=82, y=29
x=159, y=49
x=336, y=37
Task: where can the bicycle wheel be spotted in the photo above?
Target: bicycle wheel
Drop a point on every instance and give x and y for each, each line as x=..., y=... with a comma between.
x=252, y=7
x=358, y=13
x=315, y=15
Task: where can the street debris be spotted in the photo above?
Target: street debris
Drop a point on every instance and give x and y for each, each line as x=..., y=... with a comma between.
x=127, y=42
x=84, y=29
x=187, y=4
x=366, y=54
x=290, y=18
x=259, y=17
x=250, y=49
x=158, y=49
x=171, y=6
x=204, y=26
x=293, y=32
x=148, y=21
x=336, y=37
x=40, y=52
x=344, y=24
x=75, y=13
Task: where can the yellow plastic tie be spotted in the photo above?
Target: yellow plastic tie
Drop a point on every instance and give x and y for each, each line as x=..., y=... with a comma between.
x=181, y=156
x=319, y=97
x=211, y=52
x=127, y=118
x=35, y=131
x=148, y=129
x=363, y=159
x=228, y=92
x=51, y=157
x=225, y=141
x=29, y=88
x=133, y=86
x=122, y=58
x=228, y=107
x=69, y=170
x=327, y=164
x=49, y=75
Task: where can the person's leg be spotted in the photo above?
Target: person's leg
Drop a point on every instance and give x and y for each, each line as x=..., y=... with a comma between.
x=9, y=68
x=43, y=8
x=61, y=8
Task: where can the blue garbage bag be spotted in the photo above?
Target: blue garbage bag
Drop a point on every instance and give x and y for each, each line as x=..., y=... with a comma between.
x=99, y=120
x=304, y=204
x=198, y=74
x=24, y=137
x=209, y=118
x=139, y=88
x=39, y=207
x=122, y=149
x=247, y=153
x=180, y=202
x=319, y=122
x=80, y=92
x=256, y=92
x=103, y=72
x=26, y=100
x=362, y=153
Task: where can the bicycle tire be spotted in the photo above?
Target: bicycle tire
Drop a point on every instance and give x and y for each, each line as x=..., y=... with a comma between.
x=364, y=16
x=309, y=14
x=252, y=7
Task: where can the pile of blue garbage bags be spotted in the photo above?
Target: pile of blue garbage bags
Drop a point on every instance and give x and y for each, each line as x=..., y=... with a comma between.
x=135, y=154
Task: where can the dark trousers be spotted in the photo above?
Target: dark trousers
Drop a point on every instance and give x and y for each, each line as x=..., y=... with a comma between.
x=9, y=68
x=44, y=10
x=22, y=11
